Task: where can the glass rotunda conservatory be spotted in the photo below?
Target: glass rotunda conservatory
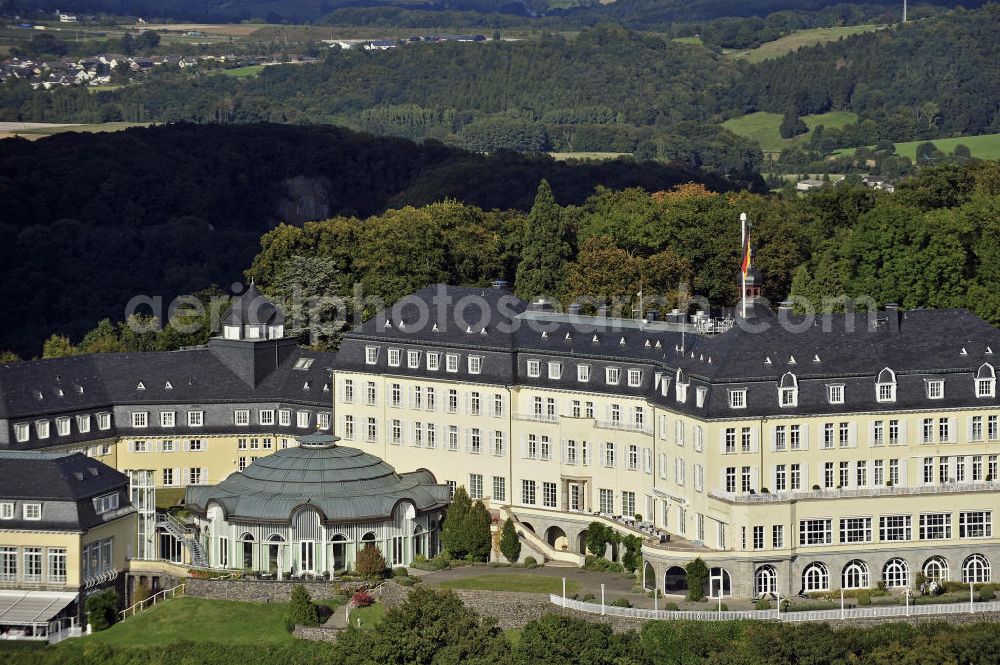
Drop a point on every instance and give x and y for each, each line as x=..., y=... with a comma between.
x=309, y=509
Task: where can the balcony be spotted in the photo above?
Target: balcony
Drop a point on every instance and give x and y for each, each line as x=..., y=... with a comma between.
x=864, y=492
x=623, y=426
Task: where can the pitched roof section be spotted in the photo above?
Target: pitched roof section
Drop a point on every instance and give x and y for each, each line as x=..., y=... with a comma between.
x=252, y=308
x=55, y=476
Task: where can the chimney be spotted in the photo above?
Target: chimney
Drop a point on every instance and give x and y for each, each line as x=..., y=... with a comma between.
x=574, y=309
x=652, y=315
x=892, y=317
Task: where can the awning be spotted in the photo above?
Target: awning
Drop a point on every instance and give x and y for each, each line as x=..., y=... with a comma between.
x=21, y=608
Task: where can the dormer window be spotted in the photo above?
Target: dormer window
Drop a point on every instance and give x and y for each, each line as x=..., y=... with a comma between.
x=451, y=362
x=306, y=363
x=986, y=381
x=167, y=418
x=394, y=356
x=699, y=396
x=140, y=419
x=371, y=355
x=583, y=373
x=32, y=512
x=885, y=387
x=935, y=389
x=788, y=391
x=241, y=417
x=635, y=378
x=103, y=421
x=475, y=364
x=835, y=394
x=534, y=368
x=555, y=371
x=21, y=432
x=413, y=359
x=612, y=375
x=433, y=361
x=62, y=426
x=680, y=387
x=83, y=423
x=196, y=418
x=265, y=416
x=738, y=399
x=302, y=419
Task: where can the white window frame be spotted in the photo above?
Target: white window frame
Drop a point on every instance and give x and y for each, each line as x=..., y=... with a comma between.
x=284, y=417
x=554, y=370
x=265, y=417
x=241, y=417
x=534, y=368
x=935, y=389
x=738, y=399
x=7, y=510
x=612, y=375
x=835, y=393
x=32, y=512
x=583, y=373
x=168, y=419
x=302, y=419
x=634, y=378
x=451, y=362
x=104, y=421
x=22, y=432
x=371, y=355
x=475, y=364
x=140, y=419
x=413, y=359
x=433, y=361
x=63, y=427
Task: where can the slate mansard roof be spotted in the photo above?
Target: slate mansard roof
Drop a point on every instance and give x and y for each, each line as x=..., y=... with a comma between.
x=343, y=484
x=846, y=349
x=64, y=484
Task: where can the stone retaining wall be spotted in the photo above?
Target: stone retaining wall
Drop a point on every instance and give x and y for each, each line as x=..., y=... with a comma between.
x=316, y=633
x=259, y=591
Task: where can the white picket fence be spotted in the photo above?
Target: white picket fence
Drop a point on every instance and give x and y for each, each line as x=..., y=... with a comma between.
x=874, y=611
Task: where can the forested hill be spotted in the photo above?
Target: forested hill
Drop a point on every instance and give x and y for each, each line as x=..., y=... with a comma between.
x=87, y=221
x=890, y=77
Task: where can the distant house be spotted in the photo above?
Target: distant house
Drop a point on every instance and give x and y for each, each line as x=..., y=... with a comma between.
x=381, y=45
x=808, y=185
x=879, y=184
x=67, y=18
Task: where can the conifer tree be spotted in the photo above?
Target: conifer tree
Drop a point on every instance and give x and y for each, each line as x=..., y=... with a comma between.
x=453, y=538
x=548, y=247
x=477, y=532
x=510, y=544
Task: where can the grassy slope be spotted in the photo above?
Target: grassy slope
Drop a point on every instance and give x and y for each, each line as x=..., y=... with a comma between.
x=242, y=72
x=796, y=40
x=984, y=146
x=513, y=582
x=763, y=127
x=201, y=620
x=370, y=616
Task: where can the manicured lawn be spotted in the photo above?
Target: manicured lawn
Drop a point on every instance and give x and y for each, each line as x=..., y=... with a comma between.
x=763, y=127
x=200, y=620
x=369, y=616
x=796, y=40
x=984, y=146
x=513, y=582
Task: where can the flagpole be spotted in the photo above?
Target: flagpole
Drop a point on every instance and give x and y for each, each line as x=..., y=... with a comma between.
x=743, y=242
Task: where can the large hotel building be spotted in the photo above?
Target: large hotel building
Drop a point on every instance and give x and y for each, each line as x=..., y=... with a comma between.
x=790, y=454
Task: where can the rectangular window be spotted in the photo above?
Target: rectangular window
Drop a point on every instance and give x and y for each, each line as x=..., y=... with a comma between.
x=633, y=457
x=499, y=443
x=935, y=389
x=140, y=419
x=555, y=371
x=731, y=479
x=475, y=364
x=746, y=439
x=475, y=403
x=737, y=399
x=413, y=359
x=780, y=440
x=927, y=431
x=32, y=511
x=976, y=428
x=758, y=537
x=32, y=564
x=879, y=472
x=397, y=431
x=628, y=504
x=528, y=492
x=372, y=430
x=935, y=526
x=497, y=405
x=828, y=435
x=63, y=426
x=844, y=477
x=778, y=536
x=534, y=368
x=241, y=417
x=284, y=418
x=730, y=441
x=475, y=486
x=21, y=432
x=583, y=373
x=452, y=485
x=612, y=375
x=991, y=428
x=894, y=433
x=266, y=416
x=371, y=355
x=944, y=430
x=635, y=378
x=746, y=479
x=167, y=477
x=394, y=357
x=975, y=524
x=855, y=529
x=894, y=528
x=103, y=421
x=105, y=503
x=451, y=362
x=196, y=476
x=7, y=511
x=845, y=435
x=780, y=478
x=815, y=532
x=607, y=501
x=349, y=427
x=549, y=495
x=57, y=565
x=195, y=418
x=609, y=454
x=302, y=419
x=835, y=394
x=8, y=564
x=452, y=437
x=499, y=489
x=433, y=361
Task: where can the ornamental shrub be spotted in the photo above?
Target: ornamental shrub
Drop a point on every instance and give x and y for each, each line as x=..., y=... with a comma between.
x=986, y=593
x=102, y=609
x=400, y=571
x=697, y=578
x=864, y=599
x=762, y=604
x=510, y=544
x=529, y=562
x=301, y=610
x=362, y=599
x=621, y=602
x=370, y=563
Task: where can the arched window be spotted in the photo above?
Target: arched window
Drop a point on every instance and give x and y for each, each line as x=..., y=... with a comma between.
x=765, y=581
x=368, y=540
x=248, y=544
x=885, y=387
x=788, y=390
x=936, y=569
x=986, y=381
x=896, y=573
x=976, y=569
x=338, y=548
x=816, y=577
x=719, y=583
x=855, y=575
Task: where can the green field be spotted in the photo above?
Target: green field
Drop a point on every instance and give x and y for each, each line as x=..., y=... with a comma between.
x=513, y=582
x=370, y=616
x=763, y=127
x=796, y=40
x=95, y=128
x=588, y=156
x=200, y=620
x=243, y=72
x=984, y=146
x=688, y=40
